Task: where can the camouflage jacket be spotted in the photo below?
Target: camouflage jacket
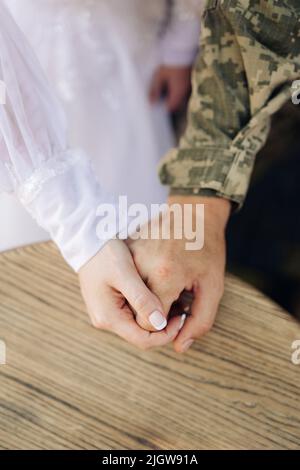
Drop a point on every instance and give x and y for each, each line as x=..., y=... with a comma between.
x=250, y=55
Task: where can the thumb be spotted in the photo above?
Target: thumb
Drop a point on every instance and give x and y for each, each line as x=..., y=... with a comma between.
x=144, y=303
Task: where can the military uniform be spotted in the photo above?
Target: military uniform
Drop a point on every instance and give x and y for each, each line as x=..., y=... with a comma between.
x=250, y=55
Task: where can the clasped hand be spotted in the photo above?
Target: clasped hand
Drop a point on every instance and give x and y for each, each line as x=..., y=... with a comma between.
x=129, y=287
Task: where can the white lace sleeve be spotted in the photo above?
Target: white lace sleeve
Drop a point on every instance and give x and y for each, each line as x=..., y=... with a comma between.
x=54, y=183
x=180, y=42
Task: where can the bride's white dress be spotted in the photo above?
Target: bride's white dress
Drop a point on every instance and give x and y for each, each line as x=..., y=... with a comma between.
x=99, y=57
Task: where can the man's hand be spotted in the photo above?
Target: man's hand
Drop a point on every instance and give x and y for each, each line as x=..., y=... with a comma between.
x=112, y=290
x=168, y=268
x=173, y=83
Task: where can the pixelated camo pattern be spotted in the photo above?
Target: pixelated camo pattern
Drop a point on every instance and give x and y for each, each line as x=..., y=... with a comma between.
x=250, y=54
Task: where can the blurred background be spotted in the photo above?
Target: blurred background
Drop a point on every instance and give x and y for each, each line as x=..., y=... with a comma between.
x=264, y=237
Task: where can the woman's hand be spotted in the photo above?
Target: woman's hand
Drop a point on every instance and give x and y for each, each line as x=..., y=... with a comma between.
x=113, y=290
x=173, y=83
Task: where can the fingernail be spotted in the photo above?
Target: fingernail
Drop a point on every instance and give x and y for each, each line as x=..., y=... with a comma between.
x=182, y=320
x=187, y=345
x=157, y=320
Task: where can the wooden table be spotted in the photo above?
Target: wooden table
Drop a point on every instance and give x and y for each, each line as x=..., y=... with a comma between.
x=68, y=386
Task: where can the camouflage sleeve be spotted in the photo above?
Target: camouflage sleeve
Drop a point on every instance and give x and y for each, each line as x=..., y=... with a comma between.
x=250, y=55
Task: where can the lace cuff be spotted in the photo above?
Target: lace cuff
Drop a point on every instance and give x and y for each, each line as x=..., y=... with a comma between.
x=51, y=168
x=64, y=198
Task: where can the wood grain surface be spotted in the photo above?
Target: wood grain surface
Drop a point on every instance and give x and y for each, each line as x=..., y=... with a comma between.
x=68, y=386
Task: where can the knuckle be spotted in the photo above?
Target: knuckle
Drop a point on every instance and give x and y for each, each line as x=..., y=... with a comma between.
x=164, y=269
x=178, y=348
x=204, y=328
x=96, y=324
x=100, y=323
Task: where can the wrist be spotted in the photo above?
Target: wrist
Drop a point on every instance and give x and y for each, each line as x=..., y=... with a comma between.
x=217, y=210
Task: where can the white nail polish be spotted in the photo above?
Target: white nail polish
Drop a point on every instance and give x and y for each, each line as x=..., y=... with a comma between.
x=182, y=320
x=157, y=320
